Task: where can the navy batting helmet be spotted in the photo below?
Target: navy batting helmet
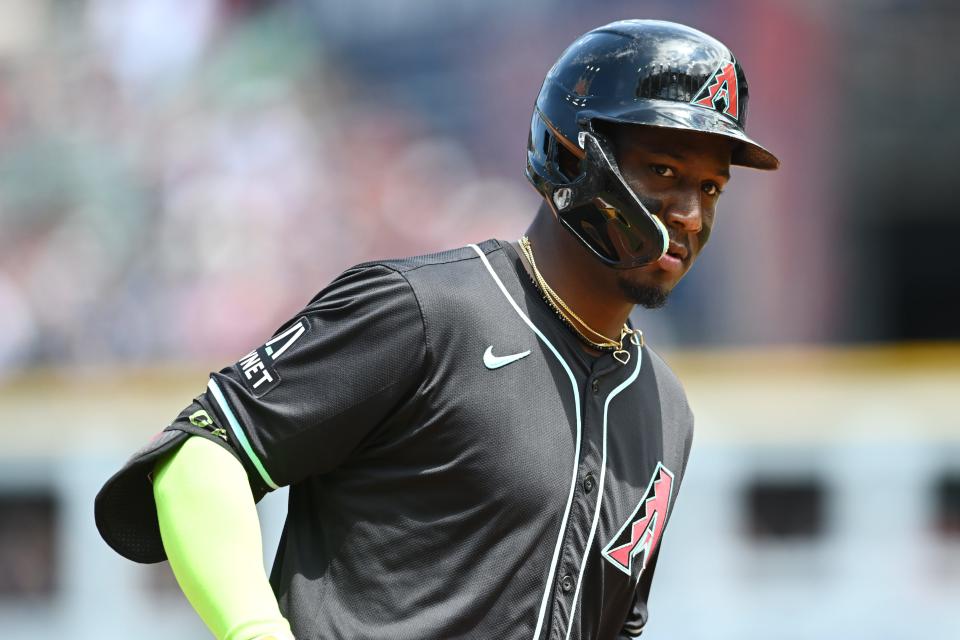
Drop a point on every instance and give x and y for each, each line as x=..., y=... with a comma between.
x=639, y=72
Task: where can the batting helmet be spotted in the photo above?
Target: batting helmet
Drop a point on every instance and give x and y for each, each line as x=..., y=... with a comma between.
x=639, y=72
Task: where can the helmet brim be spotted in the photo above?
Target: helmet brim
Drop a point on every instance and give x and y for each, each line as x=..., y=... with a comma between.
x=688, y=117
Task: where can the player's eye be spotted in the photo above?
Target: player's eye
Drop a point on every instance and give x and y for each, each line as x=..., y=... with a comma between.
x=711, y=189
x=663, y=170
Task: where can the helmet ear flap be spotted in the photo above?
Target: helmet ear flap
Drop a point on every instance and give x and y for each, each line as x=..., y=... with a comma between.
x=550, y=161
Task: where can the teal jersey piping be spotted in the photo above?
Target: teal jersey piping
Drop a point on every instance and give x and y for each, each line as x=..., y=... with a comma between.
x=239, y=434
x=576, y=454
x=603, y=476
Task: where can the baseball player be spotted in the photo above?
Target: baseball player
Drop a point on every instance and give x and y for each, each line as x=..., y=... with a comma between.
x=478, y=444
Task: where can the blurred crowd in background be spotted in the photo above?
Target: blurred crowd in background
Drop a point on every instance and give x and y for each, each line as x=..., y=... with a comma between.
x=178, y=177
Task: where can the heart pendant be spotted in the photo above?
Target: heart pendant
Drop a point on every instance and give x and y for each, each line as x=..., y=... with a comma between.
x=622, y=356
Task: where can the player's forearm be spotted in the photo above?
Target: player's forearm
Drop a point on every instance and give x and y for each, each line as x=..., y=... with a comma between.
x=210, y=531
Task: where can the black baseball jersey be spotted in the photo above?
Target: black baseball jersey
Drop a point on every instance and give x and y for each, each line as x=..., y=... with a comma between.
x=459, y=466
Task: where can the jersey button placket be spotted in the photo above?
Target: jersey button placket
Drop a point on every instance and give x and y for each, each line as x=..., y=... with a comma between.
x=588, y=483
x=585, y=503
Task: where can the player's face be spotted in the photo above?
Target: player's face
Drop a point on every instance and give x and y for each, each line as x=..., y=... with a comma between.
x=683, y=173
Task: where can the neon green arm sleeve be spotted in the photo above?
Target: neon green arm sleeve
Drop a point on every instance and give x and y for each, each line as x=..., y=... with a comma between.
x=211, y=533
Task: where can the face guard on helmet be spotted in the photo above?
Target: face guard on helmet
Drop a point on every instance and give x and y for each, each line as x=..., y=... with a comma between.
x=633, y=72
x=601, y=209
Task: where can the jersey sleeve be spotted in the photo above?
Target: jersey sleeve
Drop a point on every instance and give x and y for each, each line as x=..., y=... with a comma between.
x=300, y=404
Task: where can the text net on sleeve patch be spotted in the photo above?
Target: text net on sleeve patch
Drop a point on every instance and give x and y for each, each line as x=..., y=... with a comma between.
x=257, y=368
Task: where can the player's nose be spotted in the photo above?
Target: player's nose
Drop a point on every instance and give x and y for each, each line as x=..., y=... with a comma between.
x=685, y=213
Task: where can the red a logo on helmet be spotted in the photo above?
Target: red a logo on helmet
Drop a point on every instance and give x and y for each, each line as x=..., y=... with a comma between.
x=720, y=91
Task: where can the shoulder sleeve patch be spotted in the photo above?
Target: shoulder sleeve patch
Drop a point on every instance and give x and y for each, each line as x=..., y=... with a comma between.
x=257, y=368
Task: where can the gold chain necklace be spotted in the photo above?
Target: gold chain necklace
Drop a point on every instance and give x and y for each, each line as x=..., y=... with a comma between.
x=568, y=315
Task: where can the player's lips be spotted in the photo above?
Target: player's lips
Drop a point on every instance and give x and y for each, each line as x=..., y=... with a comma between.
x=670, y=263
x=674, y=258
x=677, y=250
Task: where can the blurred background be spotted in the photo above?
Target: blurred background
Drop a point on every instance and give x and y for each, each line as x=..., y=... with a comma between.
x=178, y=177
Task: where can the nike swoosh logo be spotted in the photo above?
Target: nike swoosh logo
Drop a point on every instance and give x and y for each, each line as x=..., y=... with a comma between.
x=495, y=362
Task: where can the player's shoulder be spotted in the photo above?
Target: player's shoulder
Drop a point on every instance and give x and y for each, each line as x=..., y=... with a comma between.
x=676, y=417
x=659, y=364
x=432, y=283
x=439, y=261
x=669, y=387
x=446, y=280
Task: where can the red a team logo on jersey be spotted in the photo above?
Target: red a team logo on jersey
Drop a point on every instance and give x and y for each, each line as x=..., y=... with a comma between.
x=720, y=91
x=640, y=534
